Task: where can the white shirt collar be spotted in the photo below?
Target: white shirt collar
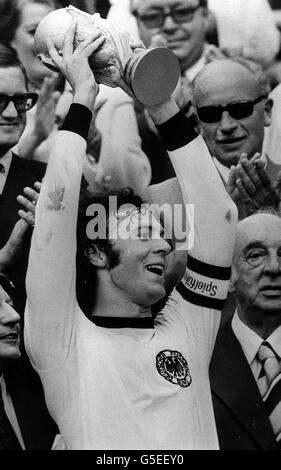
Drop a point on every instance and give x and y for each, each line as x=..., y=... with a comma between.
x=250, y=341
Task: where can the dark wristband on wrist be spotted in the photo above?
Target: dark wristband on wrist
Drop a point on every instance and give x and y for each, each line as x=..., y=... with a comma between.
x=176, y=132
x=78, y=120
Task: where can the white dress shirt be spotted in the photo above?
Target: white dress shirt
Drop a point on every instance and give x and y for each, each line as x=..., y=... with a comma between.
x=6, y=162
x=250, y=342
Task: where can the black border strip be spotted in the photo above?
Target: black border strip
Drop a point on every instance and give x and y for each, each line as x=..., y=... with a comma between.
x=208, y=270
x=198, y=299
x=122, y=322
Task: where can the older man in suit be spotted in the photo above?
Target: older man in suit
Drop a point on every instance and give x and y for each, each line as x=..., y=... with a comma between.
x=245, y=370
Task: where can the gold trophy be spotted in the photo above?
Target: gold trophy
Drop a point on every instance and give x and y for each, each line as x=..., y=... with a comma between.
x=151, y=74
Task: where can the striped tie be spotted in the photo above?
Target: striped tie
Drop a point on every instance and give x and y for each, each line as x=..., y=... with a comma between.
x=269, y=383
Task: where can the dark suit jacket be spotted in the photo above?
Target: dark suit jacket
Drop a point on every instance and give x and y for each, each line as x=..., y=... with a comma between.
x=242, y=421
x=37, y=428
x=22, y=173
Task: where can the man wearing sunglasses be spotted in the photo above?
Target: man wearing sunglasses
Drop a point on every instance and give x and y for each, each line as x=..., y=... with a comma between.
x=233, y=109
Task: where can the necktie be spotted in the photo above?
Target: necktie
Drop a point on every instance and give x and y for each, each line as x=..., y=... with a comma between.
x=269, y=383
x=8, y=439
x=2, y=168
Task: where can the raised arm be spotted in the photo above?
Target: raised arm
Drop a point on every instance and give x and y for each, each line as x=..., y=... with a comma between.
x=201, y=185
x=51, y=297
x=205, y=283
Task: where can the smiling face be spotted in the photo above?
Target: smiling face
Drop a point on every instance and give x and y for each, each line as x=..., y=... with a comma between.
x=221, y=83
x=9, y=329
x=256, y=273
x=138, y=243
x=30, y=17
x=12, y=123
x=186, y=39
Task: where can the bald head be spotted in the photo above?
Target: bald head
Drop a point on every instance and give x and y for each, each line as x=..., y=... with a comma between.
x=257, y=229
x=229, y=133
x=230, y=72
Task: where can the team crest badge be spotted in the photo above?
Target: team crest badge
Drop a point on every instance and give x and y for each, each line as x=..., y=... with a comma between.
x=173, y=367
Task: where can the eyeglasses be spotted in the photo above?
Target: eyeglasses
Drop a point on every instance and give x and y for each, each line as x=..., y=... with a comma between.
x=157, y=19
x=22, y=102
x=239, y=110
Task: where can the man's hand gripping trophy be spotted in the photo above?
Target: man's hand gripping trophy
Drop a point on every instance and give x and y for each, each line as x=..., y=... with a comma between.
x=148, y=75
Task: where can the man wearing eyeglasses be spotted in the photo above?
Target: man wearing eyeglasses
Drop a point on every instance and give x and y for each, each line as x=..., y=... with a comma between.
x=181, y=23
x=233, y=109
x=182, y=27
x=15, y=173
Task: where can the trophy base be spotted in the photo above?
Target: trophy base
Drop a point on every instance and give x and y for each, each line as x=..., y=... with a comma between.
x=155, y=76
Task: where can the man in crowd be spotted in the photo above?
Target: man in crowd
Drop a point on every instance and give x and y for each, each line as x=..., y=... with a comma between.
x=232, y=107
x=10, y=433
x=182, y=27
x=15, y=175
x=245, y=368
x=22, y=424
x=229, y=132
x=116, y=380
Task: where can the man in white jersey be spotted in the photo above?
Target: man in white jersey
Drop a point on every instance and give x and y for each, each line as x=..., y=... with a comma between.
x=118, y=380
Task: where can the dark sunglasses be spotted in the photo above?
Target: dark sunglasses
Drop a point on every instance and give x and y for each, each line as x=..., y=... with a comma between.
x=239, y=110
x=22, y=102
x=157, y=19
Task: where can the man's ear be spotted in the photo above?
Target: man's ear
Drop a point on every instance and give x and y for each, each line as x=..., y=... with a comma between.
x=268, y=112
x=96, y=256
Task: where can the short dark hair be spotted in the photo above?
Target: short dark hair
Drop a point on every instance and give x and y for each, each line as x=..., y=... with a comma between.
x=86, y=272
x=9, y=58
x=122, y=197
x=254, y=68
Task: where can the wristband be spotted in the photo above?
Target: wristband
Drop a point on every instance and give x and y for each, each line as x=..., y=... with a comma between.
x=205, y=285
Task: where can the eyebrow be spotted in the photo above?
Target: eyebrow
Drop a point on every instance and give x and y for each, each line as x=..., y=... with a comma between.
x=252, y=245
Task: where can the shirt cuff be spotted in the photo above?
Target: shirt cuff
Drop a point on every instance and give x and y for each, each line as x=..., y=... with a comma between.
x=177, y=132
x=78, y=120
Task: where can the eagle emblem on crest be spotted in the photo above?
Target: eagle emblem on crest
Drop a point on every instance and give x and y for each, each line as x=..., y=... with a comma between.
x=173, y=367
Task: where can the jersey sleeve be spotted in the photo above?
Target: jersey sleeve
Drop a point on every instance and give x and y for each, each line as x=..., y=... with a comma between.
x=51, y=277
x=200, y=296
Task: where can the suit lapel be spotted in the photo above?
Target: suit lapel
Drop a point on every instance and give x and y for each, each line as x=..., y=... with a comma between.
x=233, y=382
